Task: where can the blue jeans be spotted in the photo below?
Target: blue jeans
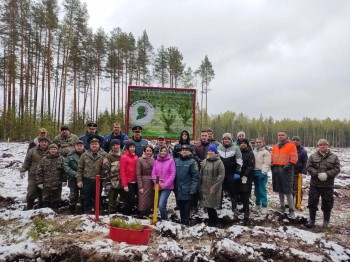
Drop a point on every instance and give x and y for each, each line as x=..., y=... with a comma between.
x=163, y=200
x=260, y=189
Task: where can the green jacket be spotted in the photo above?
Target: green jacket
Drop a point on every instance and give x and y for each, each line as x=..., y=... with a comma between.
x=90, y=165
x=65, y=145
x=31, y=161
x=50, y=171
x=71, y=167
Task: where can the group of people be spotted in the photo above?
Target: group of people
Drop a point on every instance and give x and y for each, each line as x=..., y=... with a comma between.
x=199, y=174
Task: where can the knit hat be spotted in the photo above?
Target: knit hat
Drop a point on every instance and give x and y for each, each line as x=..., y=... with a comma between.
x=53, y=146
x=227, y=135
x=213, y=148
x=129, y=143
x=296, y=138
x=240, y=133
x=244, y=140
x=322, y=141
x=40, y=139
x=115, y=142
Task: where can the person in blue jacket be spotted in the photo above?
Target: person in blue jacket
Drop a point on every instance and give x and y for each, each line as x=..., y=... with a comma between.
x=186, y=182
x=91, y=131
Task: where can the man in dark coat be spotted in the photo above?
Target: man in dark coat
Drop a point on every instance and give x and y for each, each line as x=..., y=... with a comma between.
x=116, y=134
x=323, y=166
x=91, y=131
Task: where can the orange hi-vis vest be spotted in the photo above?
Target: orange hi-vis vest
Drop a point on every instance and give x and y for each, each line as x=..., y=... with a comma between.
x=287, y=153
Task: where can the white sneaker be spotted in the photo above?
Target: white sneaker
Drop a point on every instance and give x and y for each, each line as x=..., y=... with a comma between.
x=264, y=210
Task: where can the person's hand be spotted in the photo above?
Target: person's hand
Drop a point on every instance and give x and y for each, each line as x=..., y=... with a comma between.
x=64, y=184
x=41, y=186
x=262, y=176
x=115, y=183
x=212, y=191
x=322, y=176
x=141, y=190
x=244, y=179
x=80, y=184
x=126, y=189
x=236, y=177
x=161, y=187
x=22, y=174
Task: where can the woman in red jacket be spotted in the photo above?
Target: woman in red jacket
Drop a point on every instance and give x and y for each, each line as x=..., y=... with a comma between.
x=128, y=176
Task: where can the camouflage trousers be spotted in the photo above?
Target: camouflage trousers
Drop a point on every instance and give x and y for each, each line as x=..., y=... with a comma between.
x=52, y=195
x=326, y=194
x=33, y=191
x=74, y=193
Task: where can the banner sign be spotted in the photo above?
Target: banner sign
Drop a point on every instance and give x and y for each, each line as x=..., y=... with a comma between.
x=161, y=111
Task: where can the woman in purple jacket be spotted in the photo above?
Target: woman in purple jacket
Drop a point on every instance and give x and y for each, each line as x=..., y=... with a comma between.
x=164, y=167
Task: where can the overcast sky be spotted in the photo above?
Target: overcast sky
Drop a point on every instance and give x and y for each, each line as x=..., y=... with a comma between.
x=285, y=59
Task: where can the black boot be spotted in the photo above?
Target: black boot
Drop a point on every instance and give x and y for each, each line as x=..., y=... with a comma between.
x=234, y=207
x=30, y=204
x=246, y=217
x=311, y=222
x=46, y=204
x=72, y=209
x=40, y=202
x=326, y=218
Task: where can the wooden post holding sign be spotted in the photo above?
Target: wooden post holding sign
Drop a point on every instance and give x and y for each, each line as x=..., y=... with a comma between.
x=299, y=191
x=156, y=197
x=97, y=198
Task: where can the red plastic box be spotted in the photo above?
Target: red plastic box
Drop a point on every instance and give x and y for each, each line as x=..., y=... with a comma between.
x=130, y=236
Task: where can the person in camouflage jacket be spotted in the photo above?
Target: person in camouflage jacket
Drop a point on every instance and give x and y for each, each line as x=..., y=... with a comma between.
x=70, y=168
x=50, y=176
x=65, y=141
x=31, y=161
x=323, y=166
x=90, y=165
x=111, y=167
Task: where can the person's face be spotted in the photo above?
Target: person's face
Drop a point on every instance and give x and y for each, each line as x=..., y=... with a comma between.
x=116, y=147
x=184, y=136
x=137, y=133
x=244, y=145
x=161, y=141
x=43, y=144
x=210, y=135
x=116, y=129
x=163, y=152
x=241, y=136
x=42, y=134
x=92, y=130
x=226, y=141
x=253, y=143
x=282, y=136
x=79, y=148
x=259, y=143
x=94, y=146
x=323, y=148
x=132, y=149
x=204, y=136
x=65, y=132
x=148, y=152
x=296, y=142
x=210, y=153
x=185, y=152
x=53, y=151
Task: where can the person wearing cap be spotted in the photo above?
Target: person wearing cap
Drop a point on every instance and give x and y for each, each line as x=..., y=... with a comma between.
x=211, y=138
x=42, y=132
x=70, y=168
x=323, y=166
x=65, y=141
x=90, y=165
x=160, y=143
x=300, y=167
x=164, y=168
x=50, y=177
x=145, y=193
x=231, y=156
x=30, y=164
x=111, y=168
x=284, y=156
x=117, y=133
x=184, y=139
x=91, y=130
x=212, y=175
x=128, y=176
x=186, y=182
x=137, y=139
x=243, y=184
x=262, y=167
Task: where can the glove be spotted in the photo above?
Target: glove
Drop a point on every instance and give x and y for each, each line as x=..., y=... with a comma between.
x=261, y=176
x=64, y=184
x=41, y=186
x=236, y=177
x=244, y=179
x=22, y=174
x=322, y=176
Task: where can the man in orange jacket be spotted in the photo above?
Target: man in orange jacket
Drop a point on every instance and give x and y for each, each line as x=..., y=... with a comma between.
x=284, y=156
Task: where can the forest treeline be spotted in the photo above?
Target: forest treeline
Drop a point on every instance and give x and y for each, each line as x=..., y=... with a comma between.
x=53, y=66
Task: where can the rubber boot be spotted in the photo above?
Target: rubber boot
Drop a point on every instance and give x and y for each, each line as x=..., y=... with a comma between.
x=234, y=207
x=326, y=218
x=54, y=206
x=72, y=209
x=246, y=217
x=311, y=222
x=40, y=202
x=46, y=204
x=30, y=204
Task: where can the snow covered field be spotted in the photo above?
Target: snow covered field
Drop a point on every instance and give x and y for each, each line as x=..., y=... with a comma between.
x=78, y=238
